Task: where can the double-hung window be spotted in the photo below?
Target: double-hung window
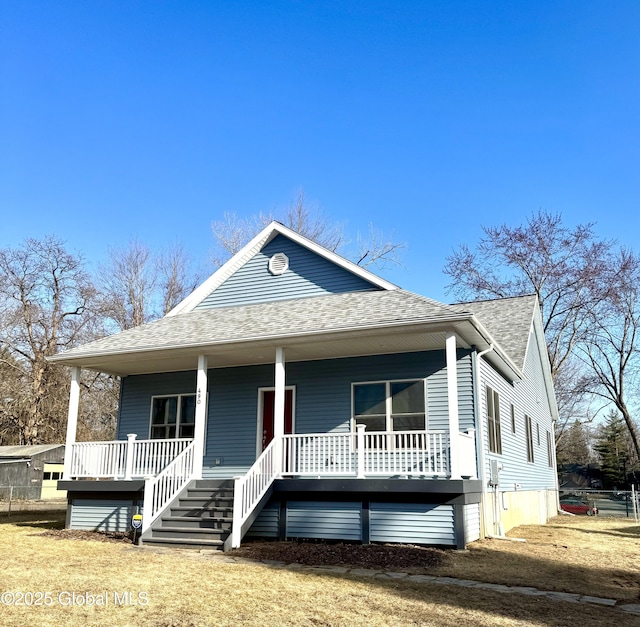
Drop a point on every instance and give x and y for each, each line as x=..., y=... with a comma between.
x=493, y=421
x=390, y=405
x=173, y=416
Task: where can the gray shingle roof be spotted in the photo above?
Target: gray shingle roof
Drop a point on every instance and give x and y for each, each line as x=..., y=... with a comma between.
x=508, y=320
x=22, y=451
x=334, y=312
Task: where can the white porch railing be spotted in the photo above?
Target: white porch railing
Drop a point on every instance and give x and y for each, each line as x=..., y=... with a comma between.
x=249, y=489
x=160, y=490
x=123, y=459
x=395, y=453
x=385, y=453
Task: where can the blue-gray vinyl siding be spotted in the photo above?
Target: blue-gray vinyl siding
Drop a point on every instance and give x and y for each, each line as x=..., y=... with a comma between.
x=415, y=523
x=309, y=274
x=102, y=515
x=322, y=400
x=529, y=397
x=135, y=399
x=325, y=521
x=266, y=524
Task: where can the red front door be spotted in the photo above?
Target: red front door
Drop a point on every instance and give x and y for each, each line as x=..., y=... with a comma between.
x=268, y=402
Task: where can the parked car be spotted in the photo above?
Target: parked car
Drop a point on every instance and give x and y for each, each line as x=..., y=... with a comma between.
x=578, y=506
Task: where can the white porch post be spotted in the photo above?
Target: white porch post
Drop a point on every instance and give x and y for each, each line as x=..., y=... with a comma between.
x=278, y=409
x=452, y=395
x=201, y=416
x=72, y=420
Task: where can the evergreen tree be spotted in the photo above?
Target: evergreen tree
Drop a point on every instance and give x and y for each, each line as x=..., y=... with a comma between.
x=614, y=449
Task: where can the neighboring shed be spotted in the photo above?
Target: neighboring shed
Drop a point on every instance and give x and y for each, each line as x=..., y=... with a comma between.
x=31, y=471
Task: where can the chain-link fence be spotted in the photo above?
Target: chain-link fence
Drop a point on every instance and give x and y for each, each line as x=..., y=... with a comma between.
x=618, y=503
x=21, y=498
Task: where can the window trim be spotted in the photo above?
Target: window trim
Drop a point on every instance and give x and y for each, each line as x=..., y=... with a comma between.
x=178, y=416
x=494, y=423
x=388, y=401
x=549, y=445
x=513, y=418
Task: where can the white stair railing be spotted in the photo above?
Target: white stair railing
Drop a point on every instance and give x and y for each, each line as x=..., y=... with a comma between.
x=160, y=490
x=250, y=488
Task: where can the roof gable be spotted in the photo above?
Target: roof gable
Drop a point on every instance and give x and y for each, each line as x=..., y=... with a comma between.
x=246, y=279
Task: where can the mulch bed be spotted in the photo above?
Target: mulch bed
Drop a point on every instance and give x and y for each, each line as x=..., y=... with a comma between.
x=405, y=557
x=96, y=536
x=375, y=556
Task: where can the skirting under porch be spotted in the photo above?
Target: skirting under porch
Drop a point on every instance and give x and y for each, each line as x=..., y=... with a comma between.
x=427, y=512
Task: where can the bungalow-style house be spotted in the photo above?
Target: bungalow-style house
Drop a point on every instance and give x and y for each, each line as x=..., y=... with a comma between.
x=297, y=395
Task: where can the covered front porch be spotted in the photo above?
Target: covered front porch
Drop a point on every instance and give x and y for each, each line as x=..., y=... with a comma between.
x=168, y=465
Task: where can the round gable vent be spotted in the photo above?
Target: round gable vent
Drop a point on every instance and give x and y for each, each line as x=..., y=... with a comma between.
x=278, y=263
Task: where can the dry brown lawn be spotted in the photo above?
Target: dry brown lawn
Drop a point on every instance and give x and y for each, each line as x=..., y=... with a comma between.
x=187, y=588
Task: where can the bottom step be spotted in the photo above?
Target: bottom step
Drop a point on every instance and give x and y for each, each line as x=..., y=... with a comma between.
x=185, y=543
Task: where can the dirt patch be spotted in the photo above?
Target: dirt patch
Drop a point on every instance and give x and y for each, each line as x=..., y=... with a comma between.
x=409, y=558
x=96, y=536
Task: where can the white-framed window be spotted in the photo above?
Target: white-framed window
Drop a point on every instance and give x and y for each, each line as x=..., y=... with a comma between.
x=172, y=416
x=390, y=405
x=493, y=421
x=549, y=452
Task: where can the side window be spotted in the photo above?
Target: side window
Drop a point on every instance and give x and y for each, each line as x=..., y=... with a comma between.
x=493, y=421
x=513, y=418
x=529, y=436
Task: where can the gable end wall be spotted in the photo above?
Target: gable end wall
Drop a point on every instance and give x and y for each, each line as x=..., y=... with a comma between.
x=529, y=397
x=308, y=275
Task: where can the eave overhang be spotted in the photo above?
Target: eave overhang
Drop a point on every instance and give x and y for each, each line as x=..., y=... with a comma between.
x=411, y=335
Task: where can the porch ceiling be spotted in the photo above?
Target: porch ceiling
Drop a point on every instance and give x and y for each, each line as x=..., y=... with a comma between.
x=263, y=352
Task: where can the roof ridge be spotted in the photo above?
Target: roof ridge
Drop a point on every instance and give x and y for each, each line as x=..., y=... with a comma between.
x=491, y=300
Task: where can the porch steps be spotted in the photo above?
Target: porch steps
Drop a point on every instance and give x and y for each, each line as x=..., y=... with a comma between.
x=201, y=517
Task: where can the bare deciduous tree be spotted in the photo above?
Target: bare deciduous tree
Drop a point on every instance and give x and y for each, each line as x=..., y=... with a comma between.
x=232, y=233
x=46, y=304
x=175, y=279
x=612, y=348
x=127, y=282
x=588, y=297
x=138, y=286
x=566, y=268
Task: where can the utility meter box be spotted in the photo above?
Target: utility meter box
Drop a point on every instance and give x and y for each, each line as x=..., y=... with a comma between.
x=494, y=472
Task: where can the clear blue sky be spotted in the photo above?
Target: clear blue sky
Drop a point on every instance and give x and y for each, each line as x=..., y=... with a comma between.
x=429, y=119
